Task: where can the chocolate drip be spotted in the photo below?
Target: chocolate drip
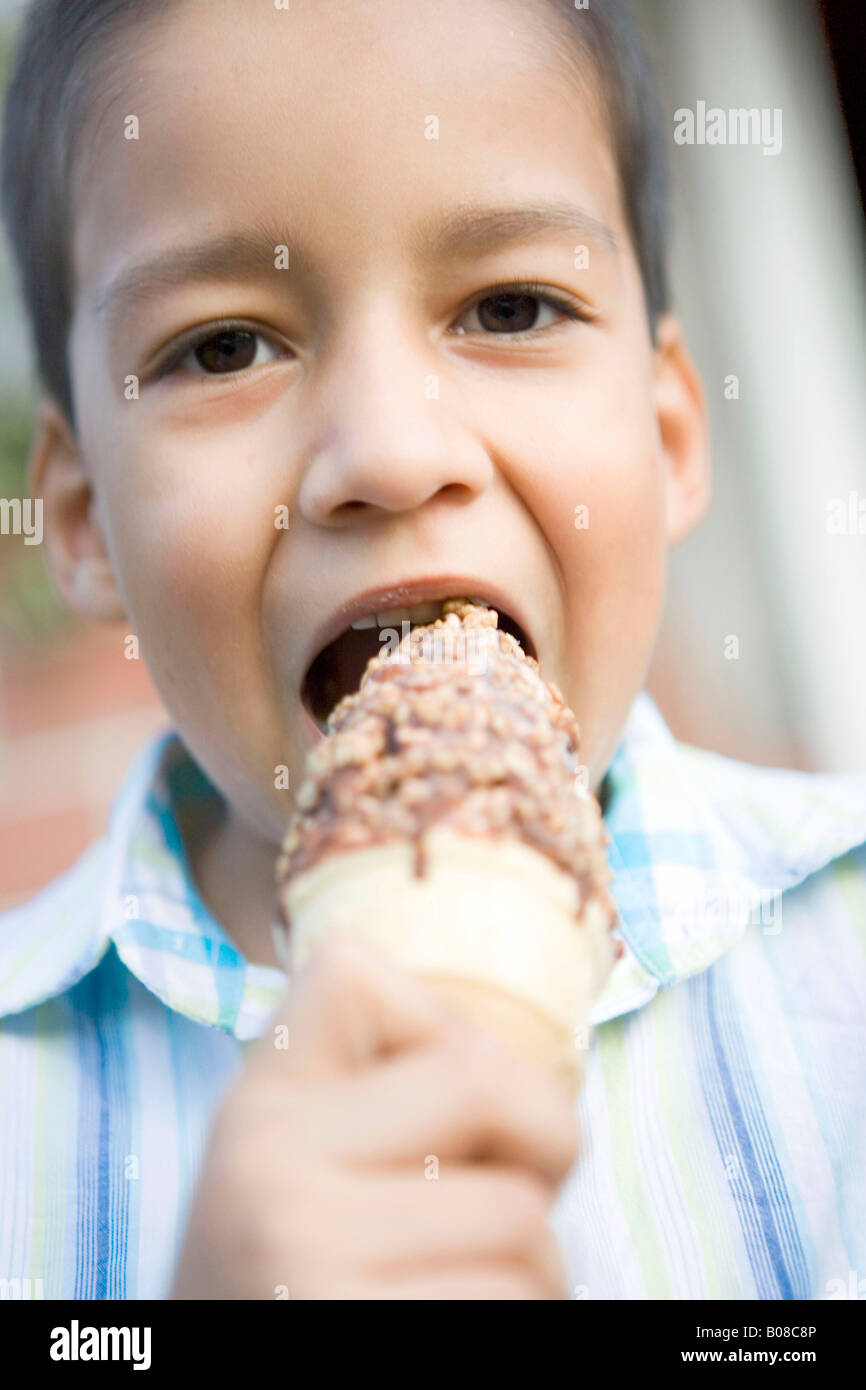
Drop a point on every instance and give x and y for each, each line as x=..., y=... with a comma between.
x=420, y=857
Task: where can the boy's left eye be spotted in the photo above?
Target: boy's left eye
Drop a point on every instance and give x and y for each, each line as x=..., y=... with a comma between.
x=514, y=310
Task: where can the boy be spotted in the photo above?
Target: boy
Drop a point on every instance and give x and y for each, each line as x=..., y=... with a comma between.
x=340, y=311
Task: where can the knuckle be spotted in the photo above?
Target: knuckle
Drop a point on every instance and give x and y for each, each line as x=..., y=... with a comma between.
x=485, y=1084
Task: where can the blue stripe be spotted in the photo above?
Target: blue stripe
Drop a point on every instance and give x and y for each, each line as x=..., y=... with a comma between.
x=174, y=941
x=230, y=979
x=814, y=1074
x=759, y=1198
x=102, y=1216
x=132, y=1100
x=725, y=1137
x=184, y=1105
x=781, y=1210
x=87, y=1133
x=649, y=849
x=634, y=895
x=115, y=1005
x=632, y=888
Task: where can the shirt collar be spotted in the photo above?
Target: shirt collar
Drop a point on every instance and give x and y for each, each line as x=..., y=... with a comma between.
x=147, y=907
x=701, y=849
x=154, y=913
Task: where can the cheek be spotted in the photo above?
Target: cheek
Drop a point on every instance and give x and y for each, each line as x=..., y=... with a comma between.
x=192, y=532
x=599, y=499
x=619, y=560
x=192, y=528
x=599, y=496
x=612, y=553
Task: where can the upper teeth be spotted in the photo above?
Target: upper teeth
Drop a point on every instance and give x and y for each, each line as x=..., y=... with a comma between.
x=393, y=617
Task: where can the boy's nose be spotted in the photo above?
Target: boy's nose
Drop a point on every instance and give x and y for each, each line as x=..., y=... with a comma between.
x=384, y=441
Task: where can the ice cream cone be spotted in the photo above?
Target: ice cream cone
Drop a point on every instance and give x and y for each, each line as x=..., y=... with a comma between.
x=493, y=925
x=440, y=819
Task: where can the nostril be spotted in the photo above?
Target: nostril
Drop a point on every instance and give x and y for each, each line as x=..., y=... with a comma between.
x=346, y=510
x=456, y=492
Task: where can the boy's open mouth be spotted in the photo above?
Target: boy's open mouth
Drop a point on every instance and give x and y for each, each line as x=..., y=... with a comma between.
x=337, y=669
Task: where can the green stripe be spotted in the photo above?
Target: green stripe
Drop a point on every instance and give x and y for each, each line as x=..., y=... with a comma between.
x=709, y=1220
x=632, y=1193
x=23, y=958
x=263, y=994
x=156, y=857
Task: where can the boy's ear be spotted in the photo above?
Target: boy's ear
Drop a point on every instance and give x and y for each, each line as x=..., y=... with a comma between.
x=683, y=427
x=73, y=537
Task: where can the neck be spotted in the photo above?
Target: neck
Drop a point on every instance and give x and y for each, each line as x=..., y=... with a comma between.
x=234, y=873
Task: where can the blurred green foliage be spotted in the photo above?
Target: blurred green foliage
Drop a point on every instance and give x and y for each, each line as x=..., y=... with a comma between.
x=31, y=610
x=16, y=425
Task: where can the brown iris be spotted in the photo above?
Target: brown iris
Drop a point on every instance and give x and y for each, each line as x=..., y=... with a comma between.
x=517, y=313
x=229, y=351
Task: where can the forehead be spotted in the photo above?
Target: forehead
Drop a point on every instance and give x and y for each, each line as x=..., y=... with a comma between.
x=350, y=123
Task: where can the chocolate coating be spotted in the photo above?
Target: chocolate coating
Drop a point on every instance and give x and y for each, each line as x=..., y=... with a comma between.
x=455, y=728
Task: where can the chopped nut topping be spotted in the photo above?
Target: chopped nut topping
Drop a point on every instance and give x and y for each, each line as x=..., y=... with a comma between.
x=455, y=728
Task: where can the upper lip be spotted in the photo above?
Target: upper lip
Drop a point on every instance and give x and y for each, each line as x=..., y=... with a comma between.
x=406, y=592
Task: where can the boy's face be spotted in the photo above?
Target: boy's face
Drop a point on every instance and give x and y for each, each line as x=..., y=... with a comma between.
x=403, y=448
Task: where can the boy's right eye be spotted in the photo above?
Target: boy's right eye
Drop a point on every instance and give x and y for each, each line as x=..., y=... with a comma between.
x=219, y=350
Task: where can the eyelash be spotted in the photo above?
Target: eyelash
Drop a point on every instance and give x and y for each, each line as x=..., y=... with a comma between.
x=572, y=310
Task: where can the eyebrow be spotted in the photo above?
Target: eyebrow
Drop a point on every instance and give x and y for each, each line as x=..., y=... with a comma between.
x=473, y=229
x=467, y=231
x=219, y=258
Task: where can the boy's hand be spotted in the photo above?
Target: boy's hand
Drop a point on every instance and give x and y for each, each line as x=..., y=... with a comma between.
x=389, y=1152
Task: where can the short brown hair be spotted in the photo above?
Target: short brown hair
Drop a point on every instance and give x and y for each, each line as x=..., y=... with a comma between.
x=66, y=47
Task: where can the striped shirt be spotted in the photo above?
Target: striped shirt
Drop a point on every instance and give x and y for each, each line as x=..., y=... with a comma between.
x=723, y=1113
